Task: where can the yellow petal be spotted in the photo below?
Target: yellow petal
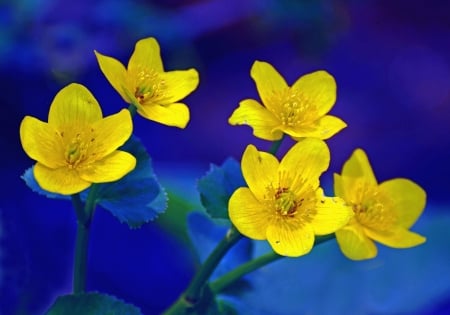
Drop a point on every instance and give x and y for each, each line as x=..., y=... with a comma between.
x=251, y=113
x=115, y=73
x=268, y=81
x=354, y=244
x=74, y=104
x=338, y=186
x=396, y=238
x=248, y=215
x=177, y=85
x=111, y=132
x=319, y=88
x=61, y=180
x=146, y=54
x=176, y=114
x=40, y=142
x=326, y=127
x=358, y=166
x=332, y=214
x=305, y=162
x=408, y=200
x=111, y=168
x=288, y=240
x=260, y=169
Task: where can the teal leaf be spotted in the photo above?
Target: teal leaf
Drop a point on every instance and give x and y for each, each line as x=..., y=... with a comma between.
x=217, y=186
x=31, y=182
x=136, y=198
x=91, y=304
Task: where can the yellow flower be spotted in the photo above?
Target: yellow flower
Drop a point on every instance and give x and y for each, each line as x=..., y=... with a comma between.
x=154, y=92
x=383, y=212
x=299, y=111
x=77, y=147
x=283, y=202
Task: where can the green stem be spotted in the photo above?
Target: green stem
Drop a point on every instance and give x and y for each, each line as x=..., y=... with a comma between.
x=276, y=145
x=133, y=109
x=80, y=263
x=90, y=204
x=84, y=218
x=79, y=208
x=229, y=278
x=193, y=293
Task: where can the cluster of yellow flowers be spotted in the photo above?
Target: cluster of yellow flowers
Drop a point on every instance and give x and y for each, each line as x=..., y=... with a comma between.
x=78, y=147
x=283, y=202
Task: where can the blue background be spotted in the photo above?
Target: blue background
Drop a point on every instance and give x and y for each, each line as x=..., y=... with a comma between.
x=392, y=67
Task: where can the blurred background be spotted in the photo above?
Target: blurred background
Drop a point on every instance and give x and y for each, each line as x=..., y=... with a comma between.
x=391, y=61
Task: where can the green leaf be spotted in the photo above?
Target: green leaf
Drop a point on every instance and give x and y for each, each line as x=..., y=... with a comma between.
x=91, y=304
x=217, y=186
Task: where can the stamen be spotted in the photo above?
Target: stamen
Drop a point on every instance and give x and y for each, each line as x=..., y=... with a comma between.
x=296, y=108
x=375, y=209
x=148, y=85
x=77, y=149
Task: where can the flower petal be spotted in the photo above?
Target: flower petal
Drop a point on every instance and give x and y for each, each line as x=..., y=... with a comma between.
x=62, y=180
x=111, y=168
x=74, y=104
x=111, y=132
x=319, y=89
x=147, y=55
x=176, y=114
x=327, y=126
x=358, y=166
x=260, y=169
x=396, y=238
x=41, y=143
x=338, y=186
x=268, y=81
x=251, y=113
x=115, y=73
x=248, y=215
x=408, y=200
x=177, y=85
x=354, y=244
x=305, y=162
x=332, y=214
x=289, y=240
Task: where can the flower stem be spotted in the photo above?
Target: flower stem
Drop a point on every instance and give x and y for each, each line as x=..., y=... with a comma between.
x=229, y=278
x=84, y=218
x=133, y=109
x=193, y=293
x=276, y=145
x=80, y=263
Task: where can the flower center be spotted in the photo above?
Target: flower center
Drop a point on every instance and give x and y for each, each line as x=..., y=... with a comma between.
x=148, y=86
x=289, y=206
x=285, y=202
x=374, y=210
x=296, y=109
x=78, y=149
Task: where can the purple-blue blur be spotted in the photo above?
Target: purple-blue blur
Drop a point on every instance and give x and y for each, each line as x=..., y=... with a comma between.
x=390, y=59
